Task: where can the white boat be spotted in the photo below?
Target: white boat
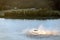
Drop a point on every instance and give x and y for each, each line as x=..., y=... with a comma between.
x=38, y=32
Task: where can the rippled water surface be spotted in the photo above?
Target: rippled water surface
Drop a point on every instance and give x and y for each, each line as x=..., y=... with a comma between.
x=12, y=29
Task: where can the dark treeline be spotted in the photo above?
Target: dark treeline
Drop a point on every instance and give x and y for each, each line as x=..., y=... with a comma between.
x=37, y=14
x=46, y=8
x=11, y=4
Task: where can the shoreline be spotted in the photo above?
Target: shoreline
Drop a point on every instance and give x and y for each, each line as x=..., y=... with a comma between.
x=30, y=14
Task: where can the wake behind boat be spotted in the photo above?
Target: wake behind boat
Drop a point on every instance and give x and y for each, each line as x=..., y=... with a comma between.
x=40, y=32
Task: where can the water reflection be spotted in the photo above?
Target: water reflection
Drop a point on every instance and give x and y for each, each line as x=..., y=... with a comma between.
x=12, y=29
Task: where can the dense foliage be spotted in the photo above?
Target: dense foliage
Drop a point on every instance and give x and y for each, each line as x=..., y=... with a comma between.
x=38, y=13
x=11, y=4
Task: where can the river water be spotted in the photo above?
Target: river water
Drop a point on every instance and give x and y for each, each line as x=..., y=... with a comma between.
x=13, y=29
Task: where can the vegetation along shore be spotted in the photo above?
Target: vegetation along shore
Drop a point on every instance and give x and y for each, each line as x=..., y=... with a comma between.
x=30, y=13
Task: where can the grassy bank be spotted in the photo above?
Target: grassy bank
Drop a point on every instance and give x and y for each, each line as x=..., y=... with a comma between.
x=33, y=14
